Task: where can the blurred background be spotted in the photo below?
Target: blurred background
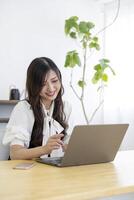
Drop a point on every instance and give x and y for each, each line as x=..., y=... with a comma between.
x=31, y=28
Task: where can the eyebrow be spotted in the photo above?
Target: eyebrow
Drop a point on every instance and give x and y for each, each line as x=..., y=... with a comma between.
x=54, y=78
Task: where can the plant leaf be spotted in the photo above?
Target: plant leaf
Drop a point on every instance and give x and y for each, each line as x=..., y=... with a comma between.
x=105, y=77
x=95, y=39
x=67, y=61
x=94, y=45
x=83, y=28
x=72, y=59
x=97, y=76
x=73, y=35
x=104, y=61
x=81, y=83
x=97, y=46
x=97, y=67
x=94, y=81
x=71, y=23
x=90, y=25
x=76, y=59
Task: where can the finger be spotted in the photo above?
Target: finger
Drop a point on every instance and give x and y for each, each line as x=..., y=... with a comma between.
x=57, y=136
x=59, y=141
x=55, y=145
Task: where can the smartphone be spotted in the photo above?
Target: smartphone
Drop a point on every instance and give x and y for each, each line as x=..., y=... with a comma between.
x=24, y=166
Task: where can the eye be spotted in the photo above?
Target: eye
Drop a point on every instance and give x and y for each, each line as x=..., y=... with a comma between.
x=54, y=81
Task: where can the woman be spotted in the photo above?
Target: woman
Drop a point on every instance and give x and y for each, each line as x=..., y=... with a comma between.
x=39, y=126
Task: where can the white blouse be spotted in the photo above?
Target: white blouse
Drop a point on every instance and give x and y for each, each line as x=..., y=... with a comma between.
x=20, y=125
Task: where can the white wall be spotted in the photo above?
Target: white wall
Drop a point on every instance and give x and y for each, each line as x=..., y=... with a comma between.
x=119, y=99
x=32, y=28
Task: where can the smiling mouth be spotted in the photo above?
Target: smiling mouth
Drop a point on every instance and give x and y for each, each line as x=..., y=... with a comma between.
x=50, y=94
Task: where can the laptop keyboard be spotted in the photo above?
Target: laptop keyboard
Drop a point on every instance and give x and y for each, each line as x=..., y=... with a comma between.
x=54, y=160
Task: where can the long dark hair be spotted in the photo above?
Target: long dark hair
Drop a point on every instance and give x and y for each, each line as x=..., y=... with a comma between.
x=36, y=74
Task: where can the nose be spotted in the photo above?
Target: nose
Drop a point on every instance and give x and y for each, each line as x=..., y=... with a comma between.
x=50, y=87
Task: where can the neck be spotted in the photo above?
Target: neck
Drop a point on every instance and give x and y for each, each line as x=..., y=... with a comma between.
x=47, y=104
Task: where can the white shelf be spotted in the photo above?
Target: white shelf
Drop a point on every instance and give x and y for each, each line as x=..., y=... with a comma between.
x=6, y=107
x=8, y=102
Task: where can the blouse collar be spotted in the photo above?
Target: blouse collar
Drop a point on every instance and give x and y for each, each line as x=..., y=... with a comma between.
x=50, y=111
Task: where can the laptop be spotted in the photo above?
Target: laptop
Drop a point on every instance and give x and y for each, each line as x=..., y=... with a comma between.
x=90, y=144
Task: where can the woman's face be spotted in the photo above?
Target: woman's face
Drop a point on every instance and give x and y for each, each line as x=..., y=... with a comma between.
x=50, y=88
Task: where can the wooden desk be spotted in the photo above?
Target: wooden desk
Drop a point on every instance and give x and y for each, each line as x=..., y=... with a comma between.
x=43, y=182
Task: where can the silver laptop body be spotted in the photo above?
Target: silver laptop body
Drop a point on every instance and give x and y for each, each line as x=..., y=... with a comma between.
x=90, y=144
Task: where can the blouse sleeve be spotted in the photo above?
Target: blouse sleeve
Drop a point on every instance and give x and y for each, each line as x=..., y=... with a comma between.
x=69, y=120
x=19, y=127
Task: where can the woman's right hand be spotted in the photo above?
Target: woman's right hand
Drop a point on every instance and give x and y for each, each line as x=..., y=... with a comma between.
x=54, y=142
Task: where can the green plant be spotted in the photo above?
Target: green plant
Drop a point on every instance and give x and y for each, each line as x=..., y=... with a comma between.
x=81, y=31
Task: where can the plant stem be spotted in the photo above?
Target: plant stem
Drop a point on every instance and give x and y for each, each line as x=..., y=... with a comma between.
x=83, y=88
x=84, y=111
x=71, y=85
x=84, y=70
x=93, y=114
